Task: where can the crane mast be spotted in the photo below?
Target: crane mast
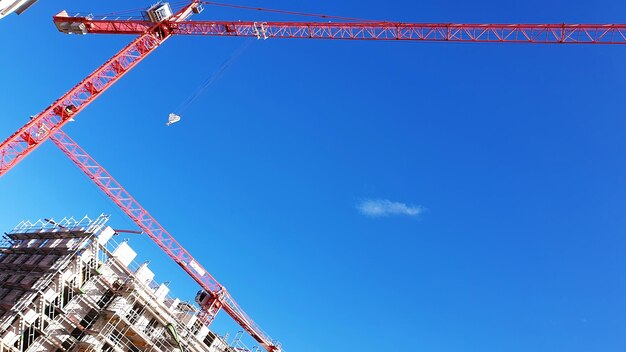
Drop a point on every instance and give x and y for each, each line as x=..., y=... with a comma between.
x=217, y=297
x=152, y=33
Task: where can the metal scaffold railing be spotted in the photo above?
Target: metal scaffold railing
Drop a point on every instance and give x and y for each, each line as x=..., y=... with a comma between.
x=66, y=224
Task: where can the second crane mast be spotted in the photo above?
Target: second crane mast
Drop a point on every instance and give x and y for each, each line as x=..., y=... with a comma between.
x=214, y=296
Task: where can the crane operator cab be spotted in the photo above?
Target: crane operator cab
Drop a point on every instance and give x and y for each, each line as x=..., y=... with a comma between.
x=204, y=299
x=207, y=300
x=158, y=12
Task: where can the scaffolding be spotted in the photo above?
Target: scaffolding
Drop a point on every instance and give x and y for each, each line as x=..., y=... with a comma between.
x=69, y=285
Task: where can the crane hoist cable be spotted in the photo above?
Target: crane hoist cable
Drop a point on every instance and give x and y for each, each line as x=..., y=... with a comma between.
x=248, y=8
x=213, y=77
x=287, y=12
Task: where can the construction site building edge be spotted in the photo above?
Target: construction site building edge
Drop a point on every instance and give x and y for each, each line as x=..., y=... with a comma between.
x=69, y=285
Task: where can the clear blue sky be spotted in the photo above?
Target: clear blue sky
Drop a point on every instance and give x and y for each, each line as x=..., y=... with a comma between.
x=516, y=153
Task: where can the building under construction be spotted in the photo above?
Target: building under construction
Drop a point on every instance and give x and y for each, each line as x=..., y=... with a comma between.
x=71, y=286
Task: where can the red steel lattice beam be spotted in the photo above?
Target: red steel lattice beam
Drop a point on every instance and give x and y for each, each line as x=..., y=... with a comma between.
x=39, y=128
x=432, y=32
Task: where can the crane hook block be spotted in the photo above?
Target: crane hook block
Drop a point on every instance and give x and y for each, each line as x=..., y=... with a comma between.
x=172, y=119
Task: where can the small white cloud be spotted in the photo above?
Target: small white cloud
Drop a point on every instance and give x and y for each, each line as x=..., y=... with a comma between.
x=384, y=207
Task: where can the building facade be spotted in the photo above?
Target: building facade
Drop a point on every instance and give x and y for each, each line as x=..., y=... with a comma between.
x=71, y=286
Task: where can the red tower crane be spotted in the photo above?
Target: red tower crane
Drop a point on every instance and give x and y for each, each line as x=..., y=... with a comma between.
x=160, y=26
x=151, y=35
